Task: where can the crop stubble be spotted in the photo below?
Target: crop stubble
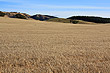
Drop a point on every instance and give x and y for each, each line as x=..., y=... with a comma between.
x=48, y=47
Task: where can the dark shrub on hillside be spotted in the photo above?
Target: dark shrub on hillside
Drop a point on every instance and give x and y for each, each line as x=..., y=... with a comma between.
x=63, y=20
x=2, y=14
x=91, y=19
x=20, y=16
x=75, y=22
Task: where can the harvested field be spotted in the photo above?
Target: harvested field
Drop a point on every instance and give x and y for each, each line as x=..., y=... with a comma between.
x=29, y=46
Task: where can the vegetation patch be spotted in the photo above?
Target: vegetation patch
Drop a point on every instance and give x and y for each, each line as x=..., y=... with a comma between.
x=91, y=19
x=2, y=14
x=63, y=20
x=20, y=16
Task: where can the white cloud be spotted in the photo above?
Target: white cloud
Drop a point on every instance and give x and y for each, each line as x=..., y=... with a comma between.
x=39, y=8
x=71, y=7
x=63, y=14
x=26, y=4
x=66, y=14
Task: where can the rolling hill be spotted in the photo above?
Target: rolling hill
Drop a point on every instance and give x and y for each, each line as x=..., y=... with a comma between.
x=91, y=19
x=73, y=19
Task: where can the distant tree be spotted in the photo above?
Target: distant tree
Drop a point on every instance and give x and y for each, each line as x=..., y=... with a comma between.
x=91, y=19
x=20, y=16
x=2, y=14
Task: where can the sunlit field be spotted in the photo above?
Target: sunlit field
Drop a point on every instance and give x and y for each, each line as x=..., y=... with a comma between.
x=31, y=46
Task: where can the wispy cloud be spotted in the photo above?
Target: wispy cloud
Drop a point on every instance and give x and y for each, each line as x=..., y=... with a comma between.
x=57, y=10
x=66, y=14
x=71, y=7
x=28, y=5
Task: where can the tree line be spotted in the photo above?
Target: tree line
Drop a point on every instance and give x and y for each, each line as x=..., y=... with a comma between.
x=91, y=19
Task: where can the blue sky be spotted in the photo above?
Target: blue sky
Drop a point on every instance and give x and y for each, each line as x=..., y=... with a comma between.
x=60, y=8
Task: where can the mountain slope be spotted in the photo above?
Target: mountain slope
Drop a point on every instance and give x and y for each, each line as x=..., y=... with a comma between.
x=26, y=16
x=42, y=17
x=73, y=19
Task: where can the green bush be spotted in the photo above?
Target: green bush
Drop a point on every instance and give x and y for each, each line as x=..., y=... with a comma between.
x=2, y=14
x=20, y=16
x=75, y=22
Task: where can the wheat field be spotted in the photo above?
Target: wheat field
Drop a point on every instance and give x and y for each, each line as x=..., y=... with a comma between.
x=30, y=46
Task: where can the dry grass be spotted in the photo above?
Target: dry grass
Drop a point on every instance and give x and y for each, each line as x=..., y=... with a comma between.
x=29, y=46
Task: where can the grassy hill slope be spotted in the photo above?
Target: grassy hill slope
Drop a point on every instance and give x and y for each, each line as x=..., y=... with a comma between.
x=69, y=21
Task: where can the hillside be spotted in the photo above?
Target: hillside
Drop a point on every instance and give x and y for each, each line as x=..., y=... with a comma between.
x=14, y=15
x=42, y=17
x=69, y=21
x=91, y=19
x=25, y=16
x=73, y=19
